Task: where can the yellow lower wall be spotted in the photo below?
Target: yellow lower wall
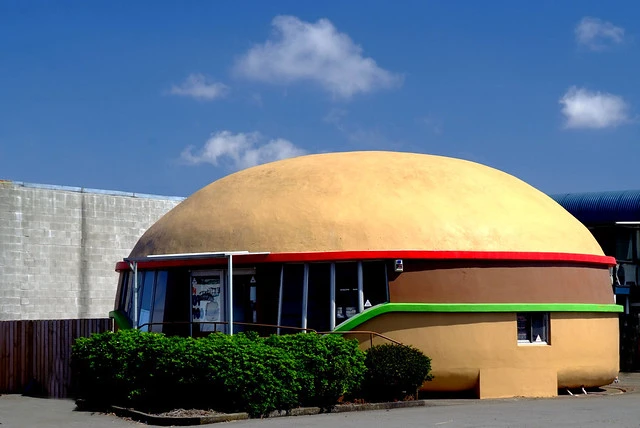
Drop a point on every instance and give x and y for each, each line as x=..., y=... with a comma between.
x=480, y=350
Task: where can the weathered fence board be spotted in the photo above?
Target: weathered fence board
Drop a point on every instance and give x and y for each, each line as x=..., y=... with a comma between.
x=35, y=355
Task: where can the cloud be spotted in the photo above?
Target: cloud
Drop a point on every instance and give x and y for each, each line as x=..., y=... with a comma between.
x=587, y=109
x=336, y=117
x=243, y=150
x=314, y=52
x=200, y=87
x=436, y=125
x=358, y=136
x=598, y=35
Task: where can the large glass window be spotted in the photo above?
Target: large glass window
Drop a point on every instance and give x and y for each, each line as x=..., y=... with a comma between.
x=346, y=291
x=207, y=300
x=122, y=290
x=374, y=285
x=533, y=327
x=318, y=309
x=145, y=302
x=624, y=244
x=292, y=286
x=160, y=293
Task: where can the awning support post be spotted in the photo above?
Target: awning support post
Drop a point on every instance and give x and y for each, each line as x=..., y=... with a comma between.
x=134, y=268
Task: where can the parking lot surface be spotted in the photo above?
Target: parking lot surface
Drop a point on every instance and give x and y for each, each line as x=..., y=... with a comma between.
x=613, y=409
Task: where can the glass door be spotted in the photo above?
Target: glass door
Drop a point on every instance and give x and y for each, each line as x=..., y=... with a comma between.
x=207, y=301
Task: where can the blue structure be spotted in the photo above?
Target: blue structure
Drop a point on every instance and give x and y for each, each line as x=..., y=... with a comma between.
x=602, y=208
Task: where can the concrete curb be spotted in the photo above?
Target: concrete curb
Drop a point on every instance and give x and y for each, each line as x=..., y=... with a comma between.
x=176, y=420
x=227, y=417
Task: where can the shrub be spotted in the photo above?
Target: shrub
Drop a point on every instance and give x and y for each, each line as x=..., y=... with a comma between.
x=395, y=371
x=150, y=371
x=328, y=366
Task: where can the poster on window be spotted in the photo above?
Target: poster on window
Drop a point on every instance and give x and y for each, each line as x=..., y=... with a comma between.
x=207, y=301
x=523, y=328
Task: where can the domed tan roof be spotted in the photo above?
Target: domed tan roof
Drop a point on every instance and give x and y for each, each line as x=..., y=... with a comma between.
x=368, y=201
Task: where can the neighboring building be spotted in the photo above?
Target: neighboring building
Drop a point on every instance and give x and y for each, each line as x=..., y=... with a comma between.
x=508, y=293
x=614, y=220
x=58, y=245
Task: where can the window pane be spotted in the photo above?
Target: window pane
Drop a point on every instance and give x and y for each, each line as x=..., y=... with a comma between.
x=123, y=289
x=292, y=283
x=374, y=283
x=319, y=296
x=624, y=245
x=207, y=300
x=539, y=328
x=128, y=304
x=524, y=329
x=146, y=300
x=158, y=300
x=178, y=303
x=346, y=291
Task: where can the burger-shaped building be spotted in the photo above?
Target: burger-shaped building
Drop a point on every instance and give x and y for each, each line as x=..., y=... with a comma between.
x=507, y=292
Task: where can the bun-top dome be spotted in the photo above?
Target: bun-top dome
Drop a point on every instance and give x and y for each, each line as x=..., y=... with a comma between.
x=358, y=201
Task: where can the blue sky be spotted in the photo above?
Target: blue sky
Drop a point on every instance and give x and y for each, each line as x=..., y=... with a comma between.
x=164, y=97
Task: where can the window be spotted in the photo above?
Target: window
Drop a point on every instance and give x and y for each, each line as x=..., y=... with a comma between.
x=346, y=291
x=533, y=327
x=292, y=285
x=374, y=283
x=145, y=291
x=159, y=301
x=319, y=300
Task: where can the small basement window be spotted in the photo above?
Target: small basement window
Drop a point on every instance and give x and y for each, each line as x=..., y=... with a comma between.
x=533, y=327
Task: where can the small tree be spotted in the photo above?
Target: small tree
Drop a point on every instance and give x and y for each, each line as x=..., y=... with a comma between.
x=395, y=371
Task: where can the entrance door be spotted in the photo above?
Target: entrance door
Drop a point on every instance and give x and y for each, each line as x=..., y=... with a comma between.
x=207, y=301
x=244, y=299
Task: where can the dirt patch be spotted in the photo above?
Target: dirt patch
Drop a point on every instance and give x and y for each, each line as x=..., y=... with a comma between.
x=187, y=413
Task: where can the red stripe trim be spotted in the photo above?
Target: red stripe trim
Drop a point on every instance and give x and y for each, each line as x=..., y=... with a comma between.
x=326, y=256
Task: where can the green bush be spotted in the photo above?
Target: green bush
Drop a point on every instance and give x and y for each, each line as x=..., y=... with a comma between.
x=395, y=371
x=150, y=371
x=328, y=366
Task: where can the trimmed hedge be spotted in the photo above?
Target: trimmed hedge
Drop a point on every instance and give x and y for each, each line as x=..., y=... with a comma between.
x=328, y=366
x=151, y=371
x=395, y=371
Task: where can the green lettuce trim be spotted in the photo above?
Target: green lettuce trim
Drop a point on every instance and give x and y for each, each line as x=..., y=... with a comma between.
x=384, y=308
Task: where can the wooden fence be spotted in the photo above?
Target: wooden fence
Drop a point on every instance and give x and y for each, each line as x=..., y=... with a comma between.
x=35, y=355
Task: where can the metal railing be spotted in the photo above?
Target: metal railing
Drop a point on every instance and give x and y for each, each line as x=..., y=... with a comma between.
x=276, y=327
x=224, y=323
x=370, y=333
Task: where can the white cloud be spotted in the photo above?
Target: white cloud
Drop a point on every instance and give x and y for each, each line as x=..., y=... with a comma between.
x=358, y=136
x=242, y=150
x=200, y=87
x=588, y=109
x=336, y=117
x=435, y=124
x=314, y=52
x=597, y=34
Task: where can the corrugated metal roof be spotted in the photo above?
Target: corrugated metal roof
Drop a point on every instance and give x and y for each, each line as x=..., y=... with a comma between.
x=602, y=207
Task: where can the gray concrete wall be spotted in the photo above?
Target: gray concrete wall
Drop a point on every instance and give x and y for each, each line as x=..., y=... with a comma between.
x=59, y=246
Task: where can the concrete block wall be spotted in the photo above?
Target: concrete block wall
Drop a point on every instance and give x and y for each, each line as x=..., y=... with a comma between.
x=59, y=246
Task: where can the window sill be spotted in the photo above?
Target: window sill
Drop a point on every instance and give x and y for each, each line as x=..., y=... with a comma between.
x=533, y=343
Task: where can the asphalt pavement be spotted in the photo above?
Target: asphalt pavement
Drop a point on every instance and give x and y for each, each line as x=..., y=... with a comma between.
x=618, y=406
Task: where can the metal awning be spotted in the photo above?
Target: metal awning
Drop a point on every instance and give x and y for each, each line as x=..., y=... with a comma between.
x=194, y=256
